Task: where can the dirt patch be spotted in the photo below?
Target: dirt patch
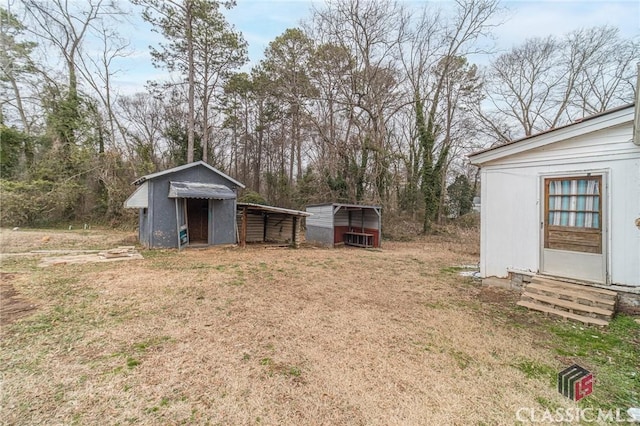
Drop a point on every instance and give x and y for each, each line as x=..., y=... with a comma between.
x=498, y=295
x=12, y=305
x=25, y=240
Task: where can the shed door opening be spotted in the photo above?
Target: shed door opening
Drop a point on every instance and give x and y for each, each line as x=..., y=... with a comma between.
x=573, y=237
x=198, y=220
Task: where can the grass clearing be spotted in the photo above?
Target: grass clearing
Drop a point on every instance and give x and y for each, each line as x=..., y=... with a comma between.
x=307, y=336
x=612, y=354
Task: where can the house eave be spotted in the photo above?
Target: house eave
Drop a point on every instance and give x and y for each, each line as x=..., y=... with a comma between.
x=587, y=125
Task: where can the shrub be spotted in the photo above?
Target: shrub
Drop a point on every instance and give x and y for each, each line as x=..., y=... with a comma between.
x=37, y=202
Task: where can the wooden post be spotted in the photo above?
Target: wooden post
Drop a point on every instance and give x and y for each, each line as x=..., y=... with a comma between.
x=293, y=236
x=243, y=232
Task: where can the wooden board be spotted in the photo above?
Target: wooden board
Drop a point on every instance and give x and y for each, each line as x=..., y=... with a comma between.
x=563, y=314
x=585, y=240
x=578, y=287
x=573, y=306
x=113, y=255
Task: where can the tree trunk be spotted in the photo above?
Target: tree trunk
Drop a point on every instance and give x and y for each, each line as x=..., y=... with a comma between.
x=191, y=82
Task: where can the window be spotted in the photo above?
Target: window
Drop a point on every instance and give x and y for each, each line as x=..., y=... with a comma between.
x=574, y=202
x=573, y=214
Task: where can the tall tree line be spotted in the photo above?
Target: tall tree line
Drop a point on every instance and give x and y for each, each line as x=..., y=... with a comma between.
x=368, y=101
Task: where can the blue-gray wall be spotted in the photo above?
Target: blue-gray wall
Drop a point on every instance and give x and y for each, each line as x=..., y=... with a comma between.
x=224, y=222
x=160, y=229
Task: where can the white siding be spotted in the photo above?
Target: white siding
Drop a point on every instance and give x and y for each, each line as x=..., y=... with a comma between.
x=511, y=201
x=322, y=216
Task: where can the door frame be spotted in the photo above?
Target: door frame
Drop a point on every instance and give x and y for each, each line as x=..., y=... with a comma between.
x=605, y=201
x=200, y=214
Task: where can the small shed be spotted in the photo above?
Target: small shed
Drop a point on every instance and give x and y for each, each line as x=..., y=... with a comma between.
x=565, y=203
x=190, y=204
x=258, y=223
x=351, y=224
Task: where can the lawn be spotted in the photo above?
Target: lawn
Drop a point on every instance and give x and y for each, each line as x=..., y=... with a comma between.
x=286, y=336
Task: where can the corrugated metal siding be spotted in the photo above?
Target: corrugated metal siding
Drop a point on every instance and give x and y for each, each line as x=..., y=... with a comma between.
x=162, y=213
x=255, y=227
x=322, y=216
x=370, y=219
x=341, y=218
x=321, y=235
x=279, y=228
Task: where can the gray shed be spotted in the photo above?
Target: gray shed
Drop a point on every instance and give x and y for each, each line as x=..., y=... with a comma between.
x=190, y=204
x=351, y=224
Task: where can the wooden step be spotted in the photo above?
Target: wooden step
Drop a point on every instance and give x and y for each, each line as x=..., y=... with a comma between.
x=561, y=313
x=609, y=294
x=573, y=306
x=571, y=294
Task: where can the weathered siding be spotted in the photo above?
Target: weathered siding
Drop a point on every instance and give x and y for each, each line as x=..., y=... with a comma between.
x=320, y=224
x=224, y=230
x=162, y=211
x=322, y=216
x=143, y=227
x=341, y=218
x=280, y=228
x=255, y=227
x=512, y=198
x=328, y=228
x=319, y=235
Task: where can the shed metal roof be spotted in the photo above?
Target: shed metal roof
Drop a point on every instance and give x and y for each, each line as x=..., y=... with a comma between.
x=200, y=190
x=184, y=167
x=272, y=209
x=346, y=205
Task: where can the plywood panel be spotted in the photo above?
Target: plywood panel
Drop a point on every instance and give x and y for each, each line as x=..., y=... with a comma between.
x=583, y=240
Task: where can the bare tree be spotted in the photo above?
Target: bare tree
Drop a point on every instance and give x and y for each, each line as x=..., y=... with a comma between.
x=98, y=72
x=65, y=27
x=371, y=32
x=432, y=60
x=547, y=82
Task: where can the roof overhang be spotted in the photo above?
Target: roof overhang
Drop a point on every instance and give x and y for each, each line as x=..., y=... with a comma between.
x=184, y=167
x=200, y=190
x=587, y=125
x=346, y=205
x=271, y=209
x=139, y=199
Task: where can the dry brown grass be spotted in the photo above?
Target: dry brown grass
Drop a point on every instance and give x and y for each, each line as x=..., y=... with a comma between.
x=257, y=336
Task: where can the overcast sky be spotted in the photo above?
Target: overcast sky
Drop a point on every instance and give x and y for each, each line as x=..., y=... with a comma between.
x=261, y=21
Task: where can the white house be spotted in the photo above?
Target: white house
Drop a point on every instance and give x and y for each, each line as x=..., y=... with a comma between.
x=565, y=203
